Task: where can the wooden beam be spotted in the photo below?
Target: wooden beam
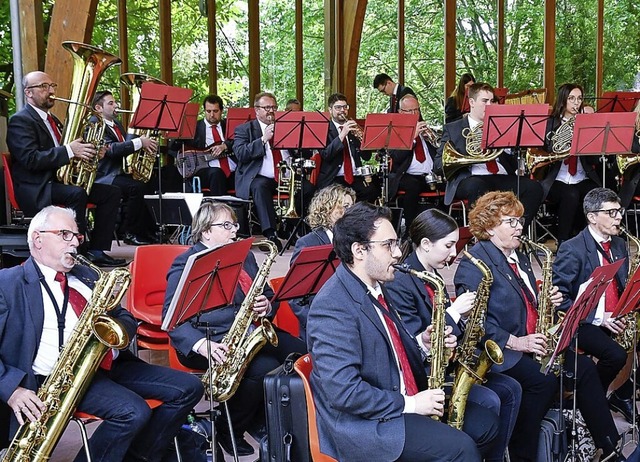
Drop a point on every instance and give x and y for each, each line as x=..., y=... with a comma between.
x=401, y=47
x=299, y=54
x=166, y=45
x=31, y=35
x=254, y=49
x=123, y=43
x=330, y=33
x=449, y=47
x=352, y=20
x=211, y=42
x=550, y=49
x=600, y=50
x=71, y=20
x=501, y=42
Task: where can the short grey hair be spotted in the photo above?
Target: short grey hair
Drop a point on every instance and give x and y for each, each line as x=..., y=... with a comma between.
x=41, y=220
x=596, y=197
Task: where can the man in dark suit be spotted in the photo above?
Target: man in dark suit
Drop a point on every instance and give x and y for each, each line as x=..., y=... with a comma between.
x=342, y=156
x=471, y=182
x=412, y=169
x=219, y=176
x=36, y=321
x=367, y=368
x=137, y=222
x=598, y=244
x=34, y=136
x=384, y=84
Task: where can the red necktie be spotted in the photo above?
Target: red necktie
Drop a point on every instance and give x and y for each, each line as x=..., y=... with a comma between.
x=54, y=127
x=346, y=160
x=224, y=162
x=611, y=294
x=420, y=154
x=532, y=313
x=118, y=133
x=277, y=158
x=492, y=166
x=398, y=346
x=430, y=291
x=572, y=162
x=245, y=281
x=78, y=302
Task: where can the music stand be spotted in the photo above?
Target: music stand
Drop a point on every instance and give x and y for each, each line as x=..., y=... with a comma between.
x=298, y=130
x=161, y=108
x=238, y=116
x=618, y=101
x=603, y=134
x=389, y=131
x=208, y=281
x=514, y=126
x=186, y=131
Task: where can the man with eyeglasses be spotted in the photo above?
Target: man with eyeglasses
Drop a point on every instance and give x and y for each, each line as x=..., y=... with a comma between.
x=34, y=136
x=597, y=245
x=40, y=305
x=368, y=380
x=412, y=170
x=342, y=155
x=385, y=85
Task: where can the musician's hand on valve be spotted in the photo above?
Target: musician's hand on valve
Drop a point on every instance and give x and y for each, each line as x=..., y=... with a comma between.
x=218, y=351
x=268, y=133
x=464, y=303
x=348, y=126
x=556, y=296
x=430, y=402
x=262, y=306
x=614, y=325
x=450, y=340
x=82, y=150
x=25, y=403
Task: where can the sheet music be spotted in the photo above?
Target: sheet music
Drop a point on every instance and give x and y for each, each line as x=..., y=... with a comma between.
x=193, y=200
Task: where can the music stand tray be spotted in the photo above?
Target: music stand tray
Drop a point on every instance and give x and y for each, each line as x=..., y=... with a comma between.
x=389, y=131
x=514, y=125
x=300, y=130
x=603, y=133
x=238, y=116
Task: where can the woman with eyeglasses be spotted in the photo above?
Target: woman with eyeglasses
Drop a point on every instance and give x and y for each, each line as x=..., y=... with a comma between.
x=496, y=221
x=454, y=107
x=327, y=206
x=215, y=224
x=433, y=236
x=566, y=182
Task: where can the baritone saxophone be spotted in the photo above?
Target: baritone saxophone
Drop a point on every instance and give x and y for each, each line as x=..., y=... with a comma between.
x=625, y=338
x=94, y=334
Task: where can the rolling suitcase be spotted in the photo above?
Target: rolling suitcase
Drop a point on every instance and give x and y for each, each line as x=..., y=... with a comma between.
x=552, y=446
x=286, y=414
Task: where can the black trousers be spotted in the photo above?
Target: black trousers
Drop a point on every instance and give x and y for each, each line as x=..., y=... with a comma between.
x=596, y=341
x=568, y=198
x=413, y=185
x=214, y=179
x=365, y=191
x=107, y=200
x=530, y=191
x=137, y=220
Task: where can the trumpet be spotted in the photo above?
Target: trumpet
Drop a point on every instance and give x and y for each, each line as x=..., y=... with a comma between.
x=357, y=131
x=430, y=135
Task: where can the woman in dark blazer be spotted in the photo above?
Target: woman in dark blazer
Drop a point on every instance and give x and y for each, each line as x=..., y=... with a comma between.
x=434, y=235
x=496, y=221
x=215, y=224
x=453, y=109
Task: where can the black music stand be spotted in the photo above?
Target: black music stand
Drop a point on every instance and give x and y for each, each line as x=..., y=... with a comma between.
x=238, y=116
x=161, y=108
x=389, y=131
x=603, y=134
x=299, y=130
x=186, y=131
x=515, y=126
x=208, y=281
x=618, y=101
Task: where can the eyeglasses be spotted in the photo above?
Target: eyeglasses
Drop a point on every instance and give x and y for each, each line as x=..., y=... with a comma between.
x=573, y=99
x=391, y=244
x=228, y=225
x=67, y=234
x=268, y=108
x=513, y=222
x=340, y=107
x=410, y=111
x=611, y=212
x=43, y=86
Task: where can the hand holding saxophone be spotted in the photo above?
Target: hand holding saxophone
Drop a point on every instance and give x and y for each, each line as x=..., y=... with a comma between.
x=218, y=351
x=262, y=306
x=430, y=402
x=450, y=340
x=532, y=343
x=556, y=296
x=463, y=304
x=613, y=324
x=81, y=150
x=149, y=144
x=25, y=403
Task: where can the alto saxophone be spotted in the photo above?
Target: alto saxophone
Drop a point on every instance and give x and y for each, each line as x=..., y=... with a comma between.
x=94, y=334
x=625, y=338
x=222, y=380
x=439, y=354
x=546, y=323
x=472, y=368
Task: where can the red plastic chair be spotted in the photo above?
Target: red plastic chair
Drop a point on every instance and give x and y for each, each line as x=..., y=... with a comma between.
x=303, y=368
x=285, y=318
x=15, y=214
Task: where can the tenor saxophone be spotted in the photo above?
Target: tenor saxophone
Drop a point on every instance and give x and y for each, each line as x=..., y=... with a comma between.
x=472, y=368
x=94, y=334
x=222, y=380
x=625, y=338
x=439, y=354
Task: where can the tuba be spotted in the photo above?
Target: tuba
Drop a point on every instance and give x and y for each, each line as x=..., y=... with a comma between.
x=472, y=368
x=625, y=338
x=89, y=63
x=94, y=334
x=222, y=380
x=452, y=160
x=139, y=164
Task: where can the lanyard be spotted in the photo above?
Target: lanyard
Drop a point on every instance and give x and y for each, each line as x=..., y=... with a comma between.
x=60, y=314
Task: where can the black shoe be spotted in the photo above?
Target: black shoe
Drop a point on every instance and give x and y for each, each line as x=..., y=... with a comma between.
x=244, y=448
x=258, y=433
x=99, y=258
x=623, y=406
x=132, y=239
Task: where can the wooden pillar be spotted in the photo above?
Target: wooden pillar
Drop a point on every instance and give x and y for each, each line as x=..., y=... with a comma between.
x=299, y=54
x=351, y=22
x=211, y=42
x=501, y=43
x=330, y=41
x=123, y=43
x=450, y=77
x=31, y=35
x=600, y=49
x=166, y=46
x=401, y=47
x=550, y=49
x=254, y=49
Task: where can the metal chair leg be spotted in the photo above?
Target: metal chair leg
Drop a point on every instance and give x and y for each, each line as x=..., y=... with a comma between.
x=84, y=437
